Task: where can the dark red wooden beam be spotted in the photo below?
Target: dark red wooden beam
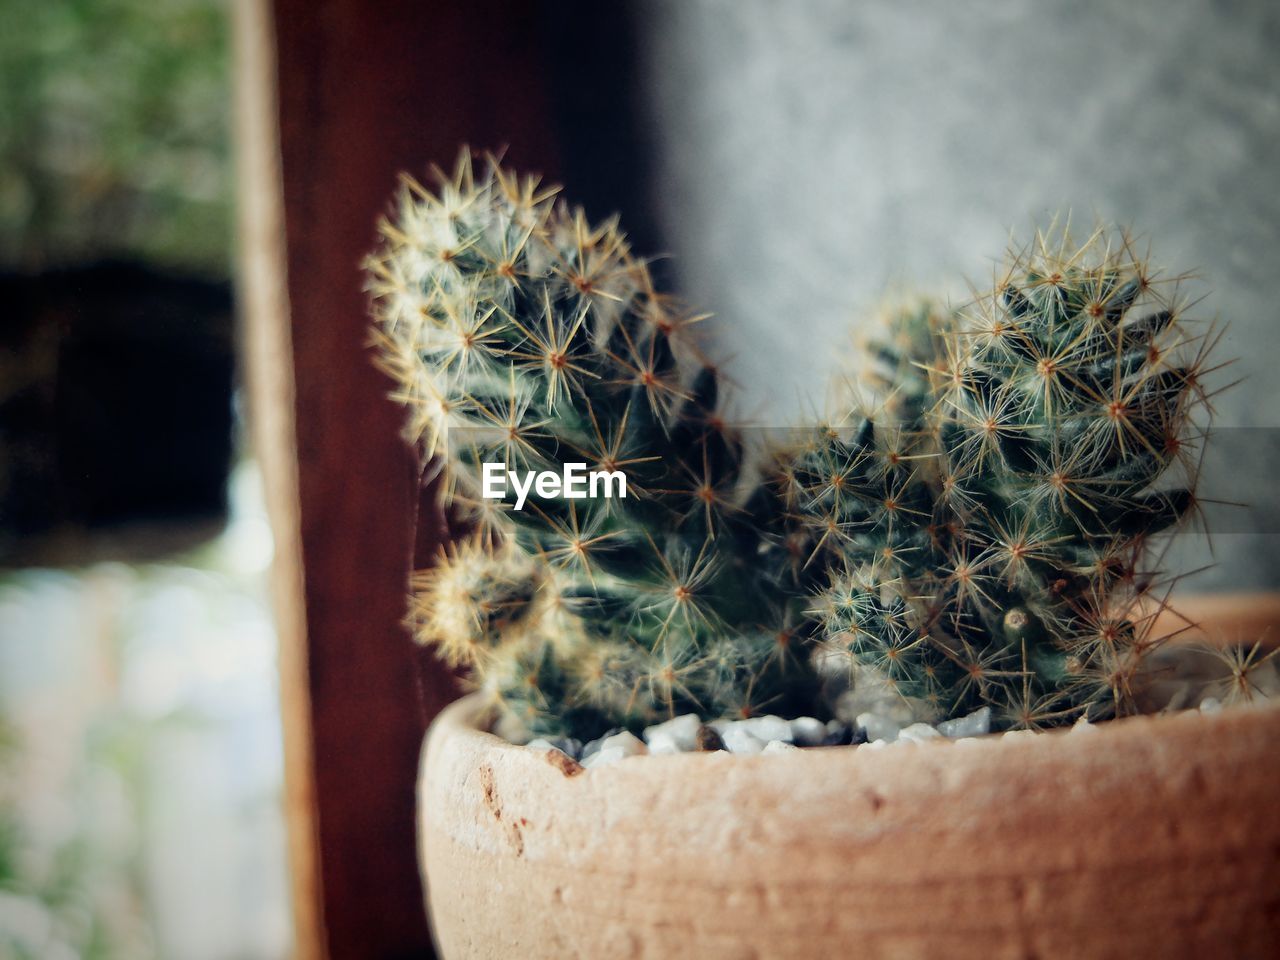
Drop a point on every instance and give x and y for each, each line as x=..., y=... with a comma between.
x=336, y=97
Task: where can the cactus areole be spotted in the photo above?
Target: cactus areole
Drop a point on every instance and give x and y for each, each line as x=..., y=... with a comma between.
x=984, y=534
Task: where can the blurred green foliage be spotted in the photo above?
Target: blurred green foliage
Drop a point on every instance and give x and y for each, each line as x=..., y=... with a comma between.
x=114, y=132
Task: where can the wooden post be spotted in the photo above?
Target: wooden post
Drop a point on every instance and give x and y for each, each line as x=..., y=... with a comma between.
x=334, y=98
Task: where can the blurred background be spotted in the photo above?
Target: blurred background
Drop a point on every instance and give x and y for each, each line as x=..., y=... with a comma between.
x=799, y=163
x=140, y=758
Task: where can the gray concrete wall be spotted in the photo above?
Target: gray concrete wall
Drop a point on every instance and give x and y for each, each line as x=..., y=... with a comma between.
x=811, y=157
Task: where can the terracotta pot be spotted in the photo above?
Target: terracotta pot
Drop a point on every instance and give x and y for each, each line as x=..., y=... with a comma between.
x=1145, y=837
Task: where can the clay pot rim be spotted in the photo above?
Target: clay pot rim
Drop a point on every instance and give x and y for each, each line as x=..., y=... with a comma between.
x=460, y=725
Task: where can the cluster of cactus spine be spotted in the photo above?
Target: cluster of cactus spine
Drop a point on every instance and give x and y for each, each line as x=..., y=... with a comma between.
x=996, y=547
x=519, y=334
x=980, y=538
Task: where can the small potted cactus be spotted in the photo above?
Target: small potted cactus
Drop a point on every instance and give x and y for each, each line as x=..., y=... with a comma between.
x=971, y=547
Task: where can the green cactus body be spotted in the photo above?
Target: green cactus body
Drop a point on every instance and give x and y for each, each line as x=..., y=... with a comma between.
x=1054, y=449
x=519, y=334
x=1079, y=397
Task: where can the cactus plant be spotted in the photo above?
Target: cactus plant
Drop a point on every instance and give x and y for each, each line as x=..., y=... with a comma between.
x=982, y=537
x=998, y=548
x=520, y=334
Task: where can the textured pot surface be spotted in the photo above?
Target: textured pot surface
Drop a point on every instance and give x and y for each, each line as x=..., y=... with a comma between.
x=1146, y=837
